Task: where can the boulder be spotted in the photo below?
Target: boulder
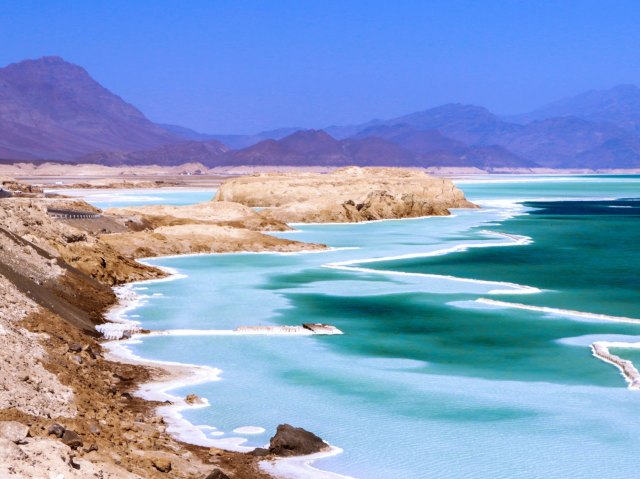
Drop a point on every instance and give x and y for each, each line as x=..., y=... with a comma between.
x=56, y=430
x=193, y=399
x=295, y=441
x=162, y=464
x=72, y=439
x=13, y=431
x=217, y=474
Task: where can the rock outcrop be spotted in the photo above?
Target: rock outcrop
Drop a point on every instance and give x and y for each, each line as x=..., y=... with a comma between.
x=213, y=227
x=347, y=195
x=295, y=441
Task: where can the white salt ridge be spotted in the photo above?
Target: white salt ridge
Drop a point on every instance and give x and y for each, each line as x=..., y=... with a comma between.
x=249, y=430
x=629, y=372
x=259, y=331
x=513, y=240
x=560, y=312
x=300, y=467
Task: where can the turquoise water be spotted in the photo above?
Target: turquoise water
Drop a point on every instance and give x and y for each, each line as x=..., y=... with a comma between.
x=141, y=197
x=427, y=382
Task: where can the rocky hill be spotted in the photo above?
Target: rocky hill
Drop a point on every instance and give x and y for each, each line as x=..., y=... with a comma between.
x=52, y=109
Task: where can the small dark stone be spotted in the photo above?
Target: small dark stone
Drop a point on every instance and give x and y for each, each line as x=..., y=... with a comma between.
x=92, y=447
x=56, y=429
x=92, y=352
x=217, y=474
x=75, y=347
x=72, y=463
x=72, y=439
x=126, y=395
x=295, y=441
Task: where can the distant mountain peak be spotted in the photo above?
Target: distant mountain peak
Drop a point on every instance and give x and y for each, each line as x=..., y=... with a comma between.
x=53, y=109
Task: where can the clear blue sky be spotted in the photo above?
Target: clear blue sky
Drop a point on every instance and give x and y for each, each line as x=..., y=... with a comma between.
x=243, y=66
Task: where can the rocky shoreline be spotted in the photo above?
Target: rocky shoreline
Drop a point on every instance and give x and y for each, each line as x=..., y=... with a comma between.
x=78, y=410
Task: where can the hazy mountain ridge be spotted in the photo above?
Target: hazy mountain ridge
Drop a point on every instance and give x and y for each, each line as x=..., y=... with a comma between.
x=51, y=109
x=619, y=106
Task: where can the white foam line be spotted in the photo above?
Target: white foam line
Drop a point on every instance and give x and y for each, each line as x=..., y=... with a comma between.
x=235, y=253
x=560, y=312
x=348, y=223
x=300, y=467
x=298, y=331
x=600, y=349
x=514, y=240
x=190, y=375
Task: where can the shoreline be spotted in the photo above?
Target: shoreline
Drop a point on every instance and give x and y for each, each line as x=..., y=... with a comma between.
x=187, y=374
x=176, y=375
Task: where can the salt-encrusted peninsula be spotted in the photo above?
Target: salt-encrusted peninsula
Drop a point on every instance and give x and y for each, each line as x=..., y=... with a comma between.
x=67, y=410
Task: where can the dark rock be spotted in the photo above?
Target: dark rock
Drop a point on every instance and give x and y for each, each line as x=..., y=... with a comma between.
x=295, y=441
x=75, y=347
x=126, y=395
x=260, y=452
x=92, y=352
x=92, y=447
x=56, y=429
x=72, y=463
x=72, y=439
x=217, y=474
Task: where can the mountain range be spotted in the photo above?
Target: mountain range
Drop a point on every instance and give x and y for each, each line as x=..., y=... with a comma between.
x=53, y=110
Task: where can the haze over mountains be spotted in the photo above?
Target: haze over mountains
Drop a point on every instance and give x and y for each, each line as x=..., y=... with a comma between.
x=54, y=110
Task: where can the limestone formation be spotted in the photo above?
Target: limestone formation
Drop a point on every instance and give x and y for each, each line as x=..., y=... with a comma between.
x=346, y=195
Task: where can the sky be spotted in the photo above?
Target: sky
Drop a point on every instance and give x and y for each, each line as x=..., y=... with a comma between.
x=234, y=66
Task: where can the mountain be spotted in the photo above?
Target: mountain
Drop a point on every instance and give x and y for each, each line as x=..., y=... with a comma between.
x=374, y=147
x=205, y=152
x=305, y=147
x=418, y=141
x=52, y=109
x=186, y=133
x=469, y=124
x=436, y=149
x=558, y=142
x=244, y=141
x=619, y=106
x=470, y=134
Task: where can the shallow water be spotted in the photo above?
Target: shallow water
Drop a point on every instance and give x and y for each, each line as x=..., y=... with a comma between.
x=427, y=381
x=114, y=198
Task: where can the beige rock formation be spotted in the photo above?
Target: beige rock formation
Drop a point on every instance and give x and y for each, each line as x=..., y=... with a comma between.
x=26, y=221
x=223, y=213
x=346, y=195
x=199, y=238
x=212, y=227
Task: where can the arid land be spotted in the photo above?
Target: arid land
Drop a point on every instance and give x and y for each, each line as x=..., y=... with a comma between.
x=64, y=407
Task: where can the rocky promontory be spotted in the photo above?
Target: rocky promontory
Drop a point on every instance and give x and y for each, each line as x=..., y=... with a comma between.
x=213, y=227
x=346, y=195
